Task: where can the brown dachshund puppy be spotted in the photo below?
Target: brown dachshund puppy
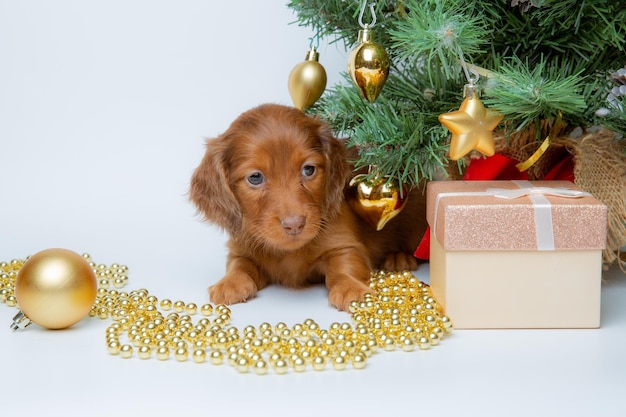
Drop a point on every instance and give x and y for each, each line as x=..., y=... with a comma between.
x=275, y=181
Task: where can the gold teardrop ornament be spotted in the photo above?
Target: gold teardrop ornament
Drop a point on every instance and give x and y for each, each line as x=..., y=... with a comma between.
x=307, y=81
x=368, y=66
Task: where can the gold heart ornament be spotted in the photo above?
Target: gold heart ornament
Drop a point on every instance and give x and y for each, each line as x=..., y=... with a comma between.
x=377, y=201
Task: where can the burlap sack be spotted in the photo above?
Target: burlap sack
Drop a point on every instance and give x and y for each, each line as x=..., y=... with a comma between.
x=600, y=169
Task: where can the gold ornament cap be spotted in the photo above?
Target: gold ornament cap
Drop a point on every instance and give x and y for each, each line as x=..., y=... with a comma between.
x=55, y=288
x=366, y=35
x=312, y=55
x=470, y=90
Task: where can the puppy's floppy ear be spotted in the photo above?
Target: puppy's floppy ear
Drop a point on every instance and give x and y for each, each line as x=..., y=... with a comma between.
x=210, y=187
x=337, y=169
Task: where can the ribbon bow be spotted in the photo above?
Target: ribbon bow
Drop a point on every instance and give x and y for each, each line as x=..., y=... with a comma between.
x=521, y=192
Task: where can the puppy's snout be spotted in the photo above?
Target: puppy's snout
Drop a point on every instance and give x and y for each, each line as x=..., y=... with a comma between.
x=293, y=225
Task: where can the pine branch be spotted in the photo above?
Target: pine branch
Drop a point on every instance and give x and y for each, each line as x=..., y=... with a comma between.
x=590, y=32
x=524, y=94
x=438, y=32
x=338, y=19
x=547, y=56
x=615, y=120
x=612, y=112
x=400, y=136
x=399, y=145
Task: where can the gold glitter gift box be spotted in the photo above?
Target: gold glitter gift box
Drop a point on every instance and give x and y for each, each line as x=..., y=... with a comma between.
x=516, y=254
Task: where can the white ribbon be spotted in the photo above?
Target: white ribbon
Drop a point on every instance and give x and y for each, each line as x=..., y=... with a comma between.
x=543, y=209
x=521, y=192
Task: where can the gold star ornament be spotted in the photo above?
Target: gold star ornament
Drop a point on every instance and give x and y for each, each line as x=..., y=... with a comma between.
x=471, y=127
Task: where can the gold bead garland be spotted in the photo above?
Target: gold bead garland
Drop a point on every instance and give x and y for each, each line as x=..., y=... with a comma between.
x=402, y=315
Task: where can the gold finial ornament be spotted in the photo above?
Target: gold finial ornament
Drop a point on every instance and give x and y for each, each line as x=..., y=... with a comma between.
x=307, y=81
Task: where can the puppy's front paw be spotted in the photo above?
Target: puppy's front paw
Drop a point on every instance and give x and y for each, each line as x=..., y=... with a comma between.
x=342, y=294
x=400, y=261
x=233, y=288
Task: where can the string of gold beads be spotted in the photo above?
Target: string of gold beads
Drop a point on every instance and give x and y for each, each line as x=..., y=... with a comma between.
x=400, y=314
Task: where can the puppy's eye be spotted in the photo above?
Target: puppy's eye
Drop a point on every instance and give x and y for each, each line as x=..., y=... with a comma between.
x=256, y=179
x=308, y=170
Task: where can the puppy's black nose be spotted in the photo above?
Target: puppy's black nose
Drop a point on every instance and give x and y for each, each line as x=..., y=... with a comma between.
x=293, y=225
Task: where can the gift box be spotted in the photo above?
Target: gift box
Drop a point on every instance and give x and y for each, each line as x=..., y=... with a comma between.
x=516, y=254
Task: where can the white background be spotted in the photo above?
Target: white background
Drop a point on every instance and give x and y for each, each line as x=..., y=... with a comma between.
x=104, y=107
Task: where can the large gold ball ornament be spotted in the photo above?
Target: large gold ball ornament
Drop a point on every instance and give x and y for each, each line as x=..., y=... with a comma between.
x=368, y=66
x=55, y=288
x=377, y=201
x=307, y=81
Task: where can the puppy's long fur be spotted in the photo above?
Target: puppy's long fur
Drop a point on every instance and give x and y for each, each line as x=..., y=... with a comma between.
x=275, y=181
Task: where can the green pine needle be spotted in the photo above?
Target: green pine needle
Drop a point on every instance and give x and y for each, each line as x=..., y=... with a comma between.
x=439, y=32
x=524, y=94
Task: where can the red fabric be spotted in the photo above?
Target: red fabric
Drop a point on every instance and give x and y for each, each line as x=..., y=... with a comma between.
x=423, y=249
x=496, y=167
x=564, y=170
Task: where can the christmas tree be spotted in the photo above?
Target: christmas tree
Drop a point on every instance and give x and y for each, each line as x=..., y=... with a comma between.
x=552, y=68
